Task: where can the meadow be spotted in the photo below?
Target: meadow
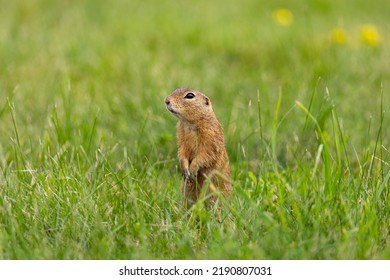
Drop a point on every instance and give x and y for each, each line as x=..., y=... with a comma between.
x=88, y=155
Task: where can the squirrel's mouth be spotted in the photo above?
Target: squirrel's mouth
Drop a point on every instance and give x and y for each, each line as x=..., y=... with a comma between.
x=171, y=110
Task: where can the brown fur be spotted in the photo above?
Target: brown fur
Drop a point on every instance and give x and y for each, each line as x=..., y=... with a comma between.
x=202, y=152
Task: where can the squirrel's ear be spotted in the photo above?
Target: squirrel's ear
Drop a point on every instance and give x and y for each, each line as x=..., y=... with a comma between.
x=207, y=101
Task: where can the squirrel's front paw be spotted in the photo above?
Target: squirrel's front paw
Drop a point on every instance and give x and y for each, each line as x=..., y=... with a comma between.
x=186, y=174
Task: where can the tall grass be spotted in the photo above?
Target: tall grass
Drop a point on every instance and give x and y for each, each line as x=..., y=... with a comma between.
x=88, y=152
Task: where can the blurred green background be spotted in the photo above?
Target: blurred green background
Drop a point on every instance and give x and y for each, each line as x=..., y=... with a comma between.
x=122, y=56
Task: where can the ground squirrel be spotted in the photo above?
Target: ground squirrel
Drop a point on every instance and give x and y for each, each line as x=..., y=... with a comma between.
x=202, y=152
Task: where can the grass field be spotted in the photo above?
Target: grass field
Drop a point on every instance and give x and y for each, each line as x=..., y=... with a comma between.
x=88, y=151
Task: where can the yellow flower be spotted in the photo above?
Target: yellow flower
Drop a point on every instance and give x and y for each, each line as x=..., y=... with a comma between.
x=338, y=36
x=283, y=17
x=369, y=35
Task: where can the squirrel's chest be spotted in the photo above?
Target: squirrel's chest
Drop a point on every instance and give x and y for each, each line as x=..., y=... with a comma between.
x=189, y=141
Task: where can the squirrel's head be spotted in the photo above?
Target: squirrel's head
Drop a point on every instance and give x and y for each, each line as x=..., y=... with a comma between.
x=189, y=105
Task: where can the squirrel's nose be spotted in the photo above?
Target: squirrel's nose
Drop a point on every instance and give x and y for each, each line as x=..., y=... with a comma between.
x=167, y=101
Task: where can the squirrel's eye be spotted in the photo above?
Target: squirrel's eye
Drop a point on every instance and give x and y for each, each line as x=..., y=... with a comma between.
x=189, y=95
